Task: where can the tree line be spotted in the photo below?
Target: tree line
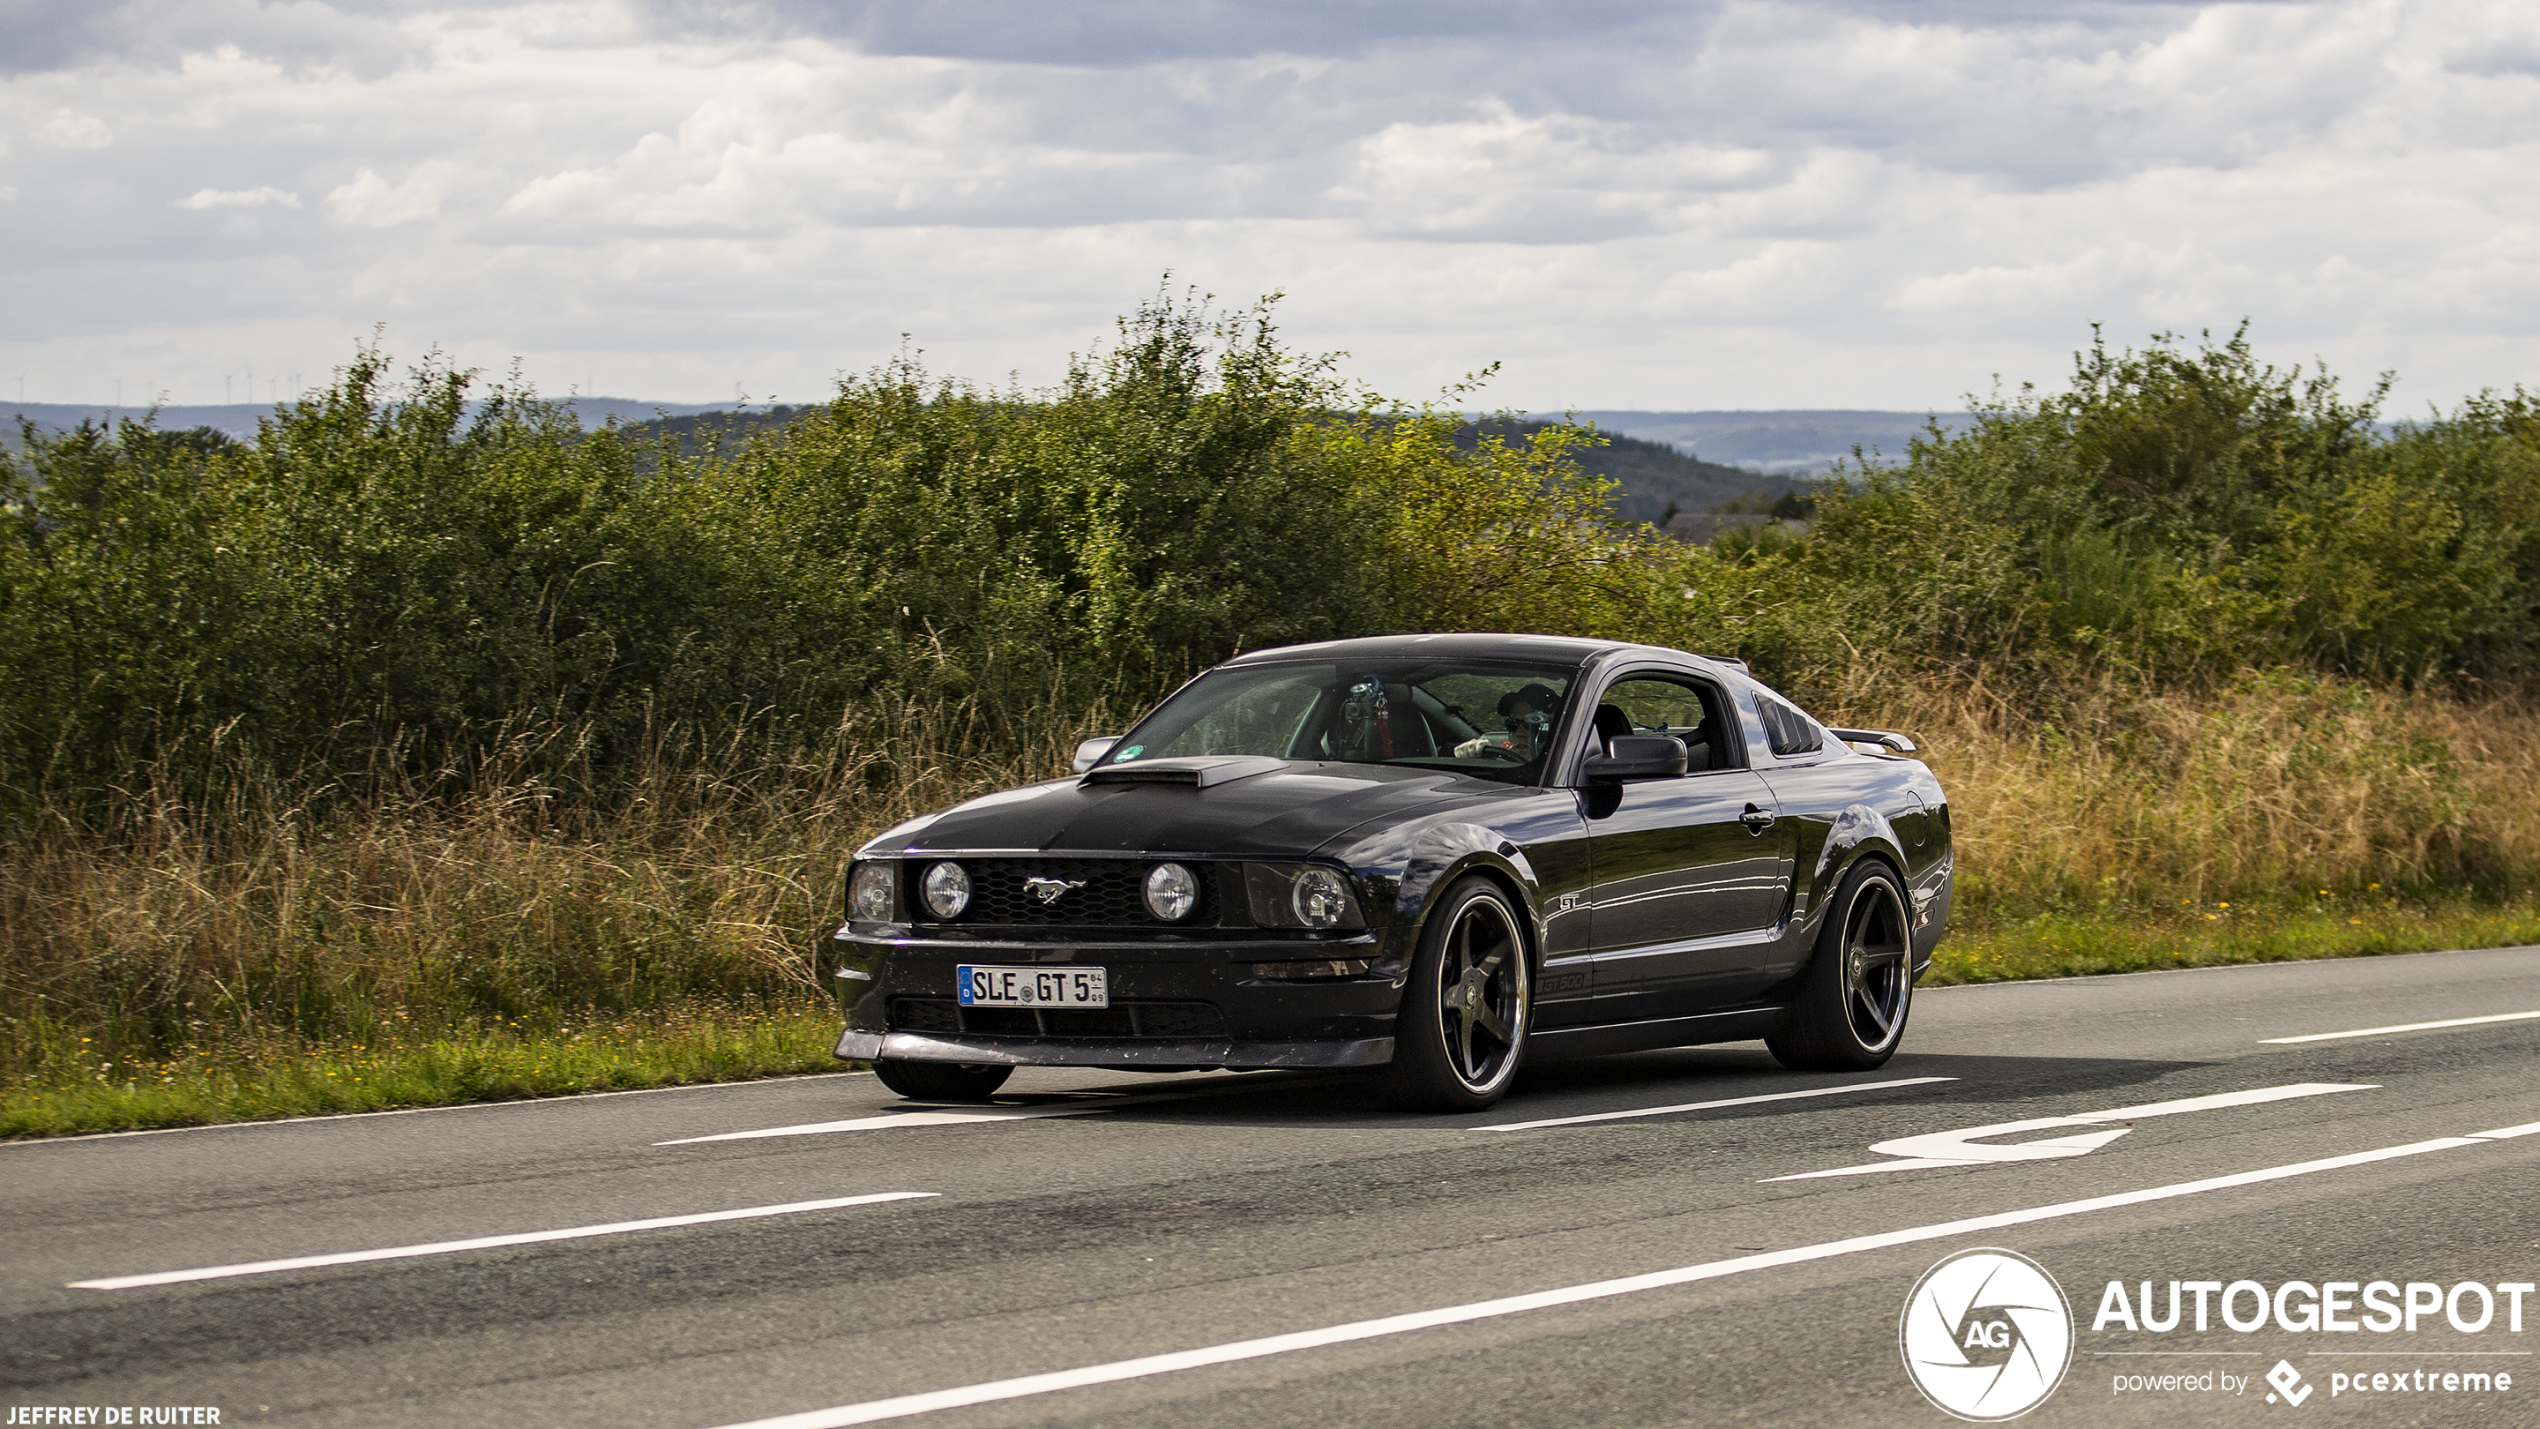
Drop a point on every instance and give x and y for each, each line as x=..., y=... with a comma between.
x=389, y=571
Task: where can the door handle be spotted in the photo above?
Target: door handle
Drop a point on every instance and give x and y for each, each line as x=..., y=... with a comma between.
x=1756, y=819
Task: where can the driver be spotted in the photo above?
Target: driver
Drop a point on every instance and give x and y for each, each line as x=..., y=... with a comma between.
x=1529, y=713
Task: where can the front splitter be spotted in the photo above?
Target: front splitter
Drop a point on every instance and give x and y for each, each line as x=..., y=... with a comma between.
x=1086, y=1052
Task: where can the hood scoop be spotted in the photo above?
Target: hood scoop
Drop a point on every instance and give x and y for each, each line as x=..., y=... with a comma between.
x=1195, y=773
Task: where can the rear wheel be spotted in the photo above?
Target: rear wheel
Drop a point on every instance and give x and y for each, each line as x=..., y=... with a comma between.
x=1462, y=1029
x=1850, y=1012
x=942, y=1081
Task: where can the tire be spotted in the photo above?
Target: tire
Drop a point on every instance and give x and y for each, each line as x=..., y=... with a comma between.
x=1462, y=1029
x=1853, y=998
x=942, y=1081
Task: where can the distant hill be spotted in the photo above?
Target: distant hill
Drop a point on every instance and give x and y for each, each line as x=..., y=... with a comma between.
x=1789, y=443
x=239, y=419
x=727, y=425
x=1657, y=480
x=1661, y=456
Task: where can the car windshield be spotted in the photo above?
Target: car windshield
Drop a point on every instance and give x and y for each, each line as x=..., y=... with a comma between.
x=1491, y=720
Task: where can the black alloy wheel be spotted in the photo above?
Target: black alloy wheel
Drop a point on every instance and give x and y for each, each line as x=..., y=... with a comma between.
x=942, y=1081
x=1462, y=1030
x=1849, y=1015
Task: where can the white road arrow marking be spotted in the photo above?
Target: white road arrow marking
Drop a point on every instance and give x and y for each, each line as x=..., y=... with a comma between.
x=1968, y=1148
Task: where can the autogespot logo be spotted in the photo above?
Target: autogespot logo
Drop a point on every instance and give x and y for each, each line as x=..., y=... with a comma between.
x=1986, y=1335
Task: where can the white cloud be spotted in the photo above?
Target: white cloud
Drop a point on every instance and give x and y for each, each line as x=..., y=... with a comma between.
x=370, y=201
x=70, y=130
x=1729, y=203
x=263, y=196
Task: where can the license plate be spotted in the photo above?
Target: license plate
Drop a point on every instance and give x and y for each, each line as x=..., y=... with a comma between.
x=1032, y=987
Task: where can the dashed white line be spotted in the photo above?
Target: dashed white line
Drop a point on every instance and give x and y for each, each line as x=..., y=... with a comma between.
x=891, y=1120
x=566, y=1099
x=2400, y=1027
x=447, y=1247
x=1706, y=1106
x=996, y=1391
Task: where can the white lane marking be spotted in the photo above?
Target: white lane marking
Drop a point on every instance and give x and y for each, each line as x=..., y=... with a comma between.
x=1961, y=1148
x=888, y=1120
x=446, y=1247
x=995, y=1391
x=892, y=1119
x=515, y=1104
x=1706, y=1106
x=2400, y=1027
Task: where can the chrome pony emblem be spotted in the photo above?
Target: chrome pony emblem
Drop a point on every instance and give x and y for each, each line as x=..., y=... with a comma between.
x=1050, y=890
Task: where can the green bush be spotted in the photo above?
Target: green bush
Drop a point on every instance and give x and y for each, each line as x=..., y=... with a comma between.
x=2173, y=518
x=386, y=573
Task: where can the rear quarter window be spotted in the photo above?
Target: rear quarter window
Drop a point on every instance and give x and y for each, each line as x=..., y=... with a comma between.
x=1785, y=728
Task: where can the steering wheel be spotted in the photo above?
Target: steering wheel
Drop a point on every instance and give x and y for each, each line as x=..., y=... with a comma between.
x=1501, y=751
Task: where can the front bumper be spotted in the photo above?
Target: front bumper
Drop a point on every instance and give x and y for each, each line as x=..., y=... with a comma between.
x=1189, y=1002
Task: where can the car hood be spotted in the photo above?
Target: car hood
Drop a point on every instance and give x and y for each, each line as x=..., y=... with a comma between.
x=1287, y=809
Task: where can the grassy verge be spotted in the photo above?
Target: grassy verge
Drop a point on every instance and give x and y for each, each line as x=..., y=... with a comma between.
x=239, y=951
x=2092, y=942
x=493, y=1063
x=718, y=1045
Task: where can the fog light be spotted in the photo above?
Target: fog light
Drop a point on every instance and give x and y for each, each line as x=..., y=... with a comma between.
x=1321, y=899
x=947, y=890
x=869, y=892
x=1172, y=892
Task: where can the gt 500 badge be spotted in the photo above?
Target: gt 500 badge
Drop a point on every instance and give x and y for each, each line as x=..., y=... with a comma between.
x=1986, y=1335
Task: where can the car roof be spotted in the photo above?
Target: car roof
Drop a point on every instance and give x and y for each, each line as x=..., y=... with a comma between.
x=1566, y=649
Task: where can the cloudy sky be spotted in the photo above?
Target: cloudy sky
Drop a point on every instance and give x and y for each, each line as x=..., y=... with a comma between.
x=1658, y=205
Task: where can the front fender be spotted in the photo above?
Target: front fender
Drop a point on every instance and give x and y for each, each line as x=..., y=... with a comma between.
x=1410, y=873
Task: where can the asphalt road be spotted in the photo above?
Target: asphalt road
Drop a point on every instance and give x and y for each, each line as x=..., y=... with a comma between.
x=1103, y=1218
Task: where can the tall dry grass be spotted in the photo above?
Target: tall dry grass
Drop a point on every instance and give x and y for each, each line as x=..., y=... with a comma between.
x=253, y=921
x=2276, y=787
x=682, y=905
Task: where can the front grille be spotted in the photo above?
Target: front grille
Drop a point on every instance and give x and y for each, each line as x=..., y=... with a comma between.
x=1113, y=894
x=1181, y=1020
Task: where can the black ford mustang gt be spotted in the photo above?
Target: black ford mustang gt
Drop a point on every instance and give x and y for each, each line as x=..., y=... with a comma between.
x=1437, y=855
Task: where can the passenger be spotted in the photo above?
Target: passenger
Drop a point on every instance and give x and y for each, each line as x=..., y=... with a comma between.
x=1529, y=713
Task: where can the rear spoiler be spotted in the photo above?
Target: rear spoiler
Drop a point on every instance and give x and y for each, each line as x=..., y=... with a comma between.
x=1886, y=739
x=1731, y=661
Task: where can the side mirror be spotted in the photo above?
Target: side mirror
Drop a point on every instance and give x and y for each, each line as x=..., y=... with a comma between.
x=1090, y=753
x=1637, y=756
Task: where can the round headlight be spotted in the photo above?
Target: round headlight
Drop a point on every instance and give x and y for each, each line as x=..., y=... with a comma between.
x=947, y=890
x=1321, y=900
x=869, y=892
x=1172, y=892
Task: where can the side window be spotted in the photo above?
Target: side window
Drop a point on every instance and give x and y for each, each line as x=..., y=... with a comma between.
x=1789, y=731
x=1689, y=710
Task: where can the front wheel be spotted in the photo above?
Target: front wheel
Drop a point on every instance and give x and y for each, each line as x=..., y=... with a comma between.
x=1850, y=1012
x=942, y=1081
x=1462, y=1028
